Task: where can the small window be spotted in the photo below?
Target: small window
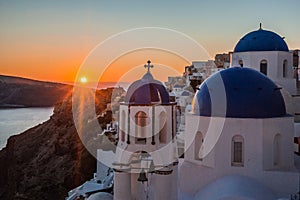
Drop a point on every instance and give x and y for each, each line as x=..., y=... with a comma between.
x=264, y=67
x=241, y=63
x=162, y=128
x=199, y=146
x=237, y=151
x=141, y=120
x=122, y=128
x=276, y=150
x=284, y=68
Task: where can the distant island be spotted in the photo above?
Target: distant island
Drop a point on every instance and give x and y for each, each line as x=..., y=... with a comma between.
x=17, y=92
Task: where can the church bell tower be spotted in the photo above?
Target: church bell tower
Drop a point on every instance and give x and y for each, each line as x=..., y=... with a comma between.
x=146, y=157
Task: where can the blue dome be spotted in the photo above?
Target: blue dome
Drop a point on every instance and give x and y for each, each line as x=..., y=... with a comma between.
x=185, y=93
x=249, y=94
x=261, y=40
x=147, y=91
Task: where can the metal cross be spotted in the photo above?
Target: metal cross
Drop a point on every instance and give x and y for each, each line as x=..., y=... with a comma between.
x=148, y=66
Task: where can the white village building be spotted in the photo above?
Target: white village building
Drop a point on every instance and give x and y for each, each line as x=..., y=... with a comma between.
x=239, y=140
x=239, y=135
x=146, y=155
x=268, y=53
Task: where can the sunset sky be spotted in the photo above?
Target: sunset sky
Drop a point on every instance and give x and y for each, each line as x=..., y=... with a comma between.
x=49, y=40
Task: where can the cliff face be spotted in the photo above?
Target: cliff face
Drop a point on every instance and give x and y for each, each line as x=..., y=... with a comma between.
x=21, y=92
x=46, y=161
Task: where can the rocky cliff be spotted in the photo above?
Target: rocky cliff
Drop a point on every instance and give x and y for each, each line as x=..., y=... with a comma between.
x=21, y=92
x=48, y=160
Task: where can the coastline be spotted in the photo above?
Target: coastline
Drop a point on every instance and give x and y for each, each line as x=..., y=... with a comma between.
x=16, y=120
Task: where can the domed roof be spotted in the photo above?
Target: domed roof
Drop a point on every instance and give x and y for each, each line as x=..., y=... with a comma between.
x=185, y=93
x=101, y=195
x=261, y=40
x=172, y=94
x=248, y=94
x=147, y=91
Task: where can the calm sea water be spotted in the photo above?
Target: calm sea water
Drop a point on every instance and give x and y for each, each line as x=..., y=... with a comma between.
x=15, y=121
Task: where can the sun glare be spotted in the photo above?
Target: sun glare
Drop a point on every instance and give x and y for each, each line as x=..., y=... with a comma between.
x=83, y=80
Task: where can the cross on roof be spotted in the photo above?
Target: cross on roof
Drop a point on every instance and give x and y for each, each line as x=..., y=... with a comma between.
x=148, y=66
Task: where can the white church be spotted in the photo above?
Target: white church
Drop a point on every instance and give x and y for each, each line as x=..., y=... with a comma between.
x=238, y=137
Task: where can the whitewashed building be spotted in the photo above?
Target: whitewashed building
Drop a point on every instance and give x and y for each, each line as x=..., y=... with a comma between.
x=267, y=52
x=146, y=156
x=239, y=133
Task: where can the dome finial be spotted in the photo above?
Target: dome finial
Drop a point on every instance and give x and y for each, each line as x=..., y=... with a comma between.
x=148, y=66
x=260, y=26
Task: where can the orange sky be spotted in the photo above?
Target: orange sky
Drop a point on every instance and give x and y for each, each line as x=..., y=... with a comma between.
x=43, y=61
x=48, y=40
x=131, y=66
x=46, y=62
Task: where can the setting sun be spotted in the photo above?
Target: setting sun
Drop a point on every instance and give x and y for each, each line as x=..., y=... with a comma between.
x=83, y=80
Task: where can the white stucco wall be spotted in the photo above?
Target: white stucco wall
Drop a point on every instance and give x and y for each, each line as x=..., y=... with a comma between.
x=258, y=137
x=285, y=127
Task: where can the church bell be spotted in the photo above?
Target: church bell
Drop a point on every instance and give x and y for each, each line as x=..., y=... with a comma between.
x=142, y=177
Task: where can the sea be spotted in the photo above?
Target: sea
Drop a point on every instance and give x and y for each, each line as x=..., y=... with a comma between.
x=17, y=120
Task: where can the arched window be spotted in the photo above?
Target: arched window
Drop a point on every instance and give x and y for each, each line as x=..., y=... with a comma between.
x=241, y=63
x=162, y=127
x=122, y=128
x=198, y=146
x=237, y=155
x=264, y=67
x=141, y=123
x=276, y=150
x=284, y=69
